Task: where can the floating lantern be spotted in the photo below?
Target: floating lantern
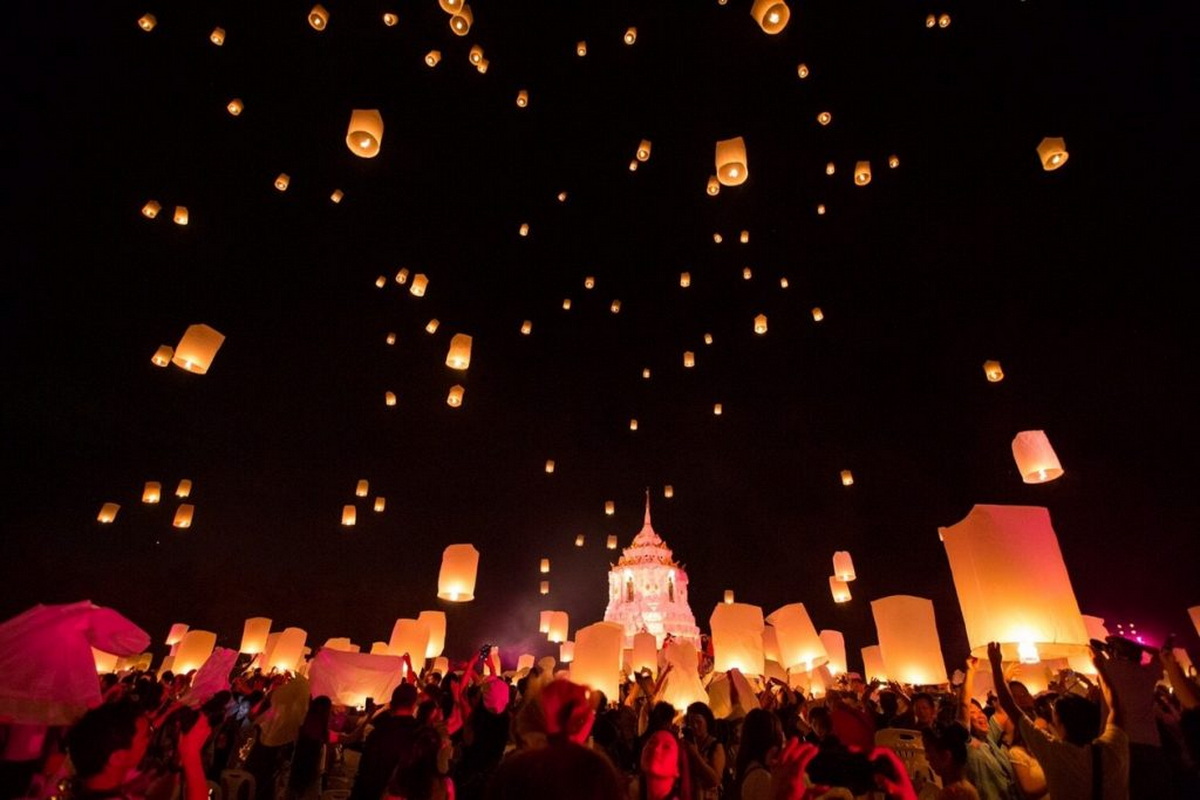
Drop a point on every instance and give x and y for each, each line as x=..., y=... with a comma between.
x=800, y=647
x=610, y=507
x=843, y=566
x=993, y=371
x=908, y=640
x=893, y=161
x=783, y=283
x=455, y=397
x=802, y=71
x=668, y=491
x=235, y=107
x=459, y=356
x=183, y=516
x=717, y=409
x=689, y=359
x=526, y=328
x=390, y=19
x=579, y=540
x=151, y=209
x=731, y=163
x=643, y=151
x=708, y=338
x=364, y=134
x=409, y=637
x=633, y=165
x=1012, y=584
x=349, y=516
x=544, y=621
x=362, y=488
x=549, y=466
x=380, y=504
x=389, y=398
x=1053, y=153
x=930, y=21
x=461, y=21
x=390, y=339
x=835, y=648
x=1036, y=460
x=566, y=304
x=746, y=273
x=1194, y=613
x=737, y=638
x=818, y=314
x=522, y=98
x=944, y=21
x=824, y=118
x=402, y=276
x=175, y=634
x=282, y=181
x=873, y=668
x=717, y=238
x=633, y=425
x=645, y=653
x=254, y=635
x=685, y=279
x=456, y=580
x=451, y=6
x=559, y=623
x=435, y=623
x=847, y=478
x=318, y=17
x=562, y=197
x=544, y=565
x=288, y=650
x=714, y=186
x=181, y=215
x=217, y=36
x=418, y=286
x=589, y=282
x=611, y=543
x=729, y=596
x=336, y=196
x=152, y=492
x=380, y=282
x=862, y=173
x=581, y=49
x=432, y=58
x=821, y=209
x=163, y=355
x=475, y=54
x=839, y=589
x=544, y=587
x=772, y=16
x=194, y=649
x=108, y=513
x=830, y=168
x=184, y=488
x=566, y=652
x=760, y=324
x=482, y=66
x=630, y=35
x=615, y=307
x=147, y=22
x=597, y=658
x=744, y=238
x=646, y=373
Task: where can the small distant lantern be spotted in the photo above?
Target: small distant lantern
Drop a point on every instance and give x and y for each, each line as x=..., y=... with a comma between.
x=459, y=356
x=523, y=98
x=847, y=478
x=646, y=373
x=566, y=304
x=713, y=188
x=824, y=118
x=318, y=18
x=460, y=22
x=843, y=566
x=611, y=542
x=731, y=162
x=643, y=151
x=389, y=399
x=432, y=58
x=455, y=397
x=708, y=338
x=633, y=165
x=197, y=349
x=760, y=323
x=610, y=507
x=456, y=580
x=633, y=425
x=235, y=107
x=282, y=181
x=930, y=20
x=718, y=238
x=162, y=356
x=184, y=489
x=685, y=279
x=821, y=209
x=108, y=513
x=380, y=504
x=818, y=314
x=183, y=515
x=181, y=215
x=336, y=196
x=526, y=328
x=559, y=625
x=544, y=587
x=771, y=15
x=566, y=652
x=1036, y=460
x=390, y=19
x=668, y=491
x=147, y=22
x=451, y=6
x=630, y=35
x=615, y=307
x=862, y=173
x=747, y=274
x=729, y=596
x=689, y=359
x=802, y=70
x=152, y=492
x=562, y=197
x=362, y=488
x=783, y=283
x=217, y=36
x=830, y=168
x=349, y=515
x=544, y=566
x=579, y=540
x=432, y=326
x=1053, y=153
x=381, y=281
x=524, y=229
x=744, y=237
x=549, y=466
x=151, y=209
x=589, y=282
x=717, y=409
x=581, y=49
x=993, y=371
x=419, y=284
x=364, y=134
x=390, y=338
x=475, y=54
x=893, y=161
x=944, y=21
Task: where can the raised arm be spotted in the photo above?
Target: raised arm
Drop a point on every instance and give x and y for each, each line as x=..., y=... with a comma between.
x=1003, y=693
x=1116, y=709
x=964, y=692
x=1185, y=690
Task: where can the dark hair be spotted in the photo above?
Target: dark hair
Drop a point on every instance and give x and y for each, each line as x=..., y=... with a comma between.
x=660, y=718
x=919, y=696
x=561, y=769
x=761, y=731
x=1079, y=717
x=820, y=716
x=951, y=738
x=404, y=696
x=417, y=769
x=700, y=708
x=99, y=733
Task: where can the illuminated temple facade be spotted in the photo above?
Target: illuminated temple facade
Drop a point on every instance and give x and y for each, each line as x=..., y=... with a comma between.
x=648, y=591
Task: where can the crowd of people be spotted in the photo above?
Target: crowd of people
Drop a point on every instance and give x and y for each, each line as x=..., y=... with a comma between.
x=1130, y=731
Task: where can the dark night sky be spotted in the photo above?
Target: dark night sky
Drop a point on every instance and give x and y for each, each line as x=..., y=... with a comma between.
x=1075, y=280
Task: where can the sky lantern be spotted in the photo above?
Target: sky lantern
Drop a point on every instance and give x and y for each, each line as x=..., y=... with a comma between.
x=615, y=307
x=181, y=215
x=235, y=107
x=336, y=196
x=830, y=168
x=456, y=580
x=800, y=648
x=402, y=276
x=544, y=587
x=475, y=54
x=390, y=19
x=163, y=355
x=566, y=304
x=454, y=398
x=460, y=21
x=152, y=492
x=389, y=399
x=380, y=282
x=147, y=22
x=708, y=338
x=843, y=565
x=645, y=653
x=862, y=173
x=380, y=504
x=760, y=324
x=184, y=488
x=579, y=539
x=108, y=513
x=526, y=328
x=459, y=356
x=668, y=491
x=728, y=597
x=362, y=488
x=717, y=238
x=609, y=507
x=364, y=134
x=718, y=409
x=943, y=21
x=151, y=209
x=643, y=150
x=893, y=161
x=589, y=282
x=685, y=279
x=557, y=627
x=411, y=637
x=197, y=349
x=713, y=188
x=802, y=70
x=835, y=648
x=435, y=623
x=646, y=373
x=824, y=118
x=1036, y=460
x=418, y=285
x=771, y=15
x=379, y=648
x=432, y=58
x=817, y=314
x=847, y=478
x=544, y=565
x=175, y=634
x=930, y=20
x=1194, y=613
x=254, y=635
x=1053, y=153
x=194, y=649
x=611, y=542
x=689, y=359
x=287, y=651
x=217, y=36
x=633, y=165
x=544, y=621
x=839, y=589
x=349, y=515
x=318, y=17
x=908, y=639
x=873, y=664
x=523, y=98
x=993, y=371
x=581, y=49
x=747, y=274
x=630, y=35
x=566, y=652
x=821, y=209
x=737, y=638
x=731, y=162
x=549, y=466
x=451, y=6
x=783, y=283
x=105, y=662
x=597, y=658
x=1012, y=583
x=744, y=237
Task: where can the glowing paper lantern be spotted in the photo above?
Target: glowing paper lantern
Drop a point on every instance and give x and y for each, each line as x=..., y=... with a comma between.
x=783, y=283
x=1194, y=613
x=847, y=478
x=147, y=22
x=646, y=373
x=1036, y=460
x=389, y=398
x=873, y=664
x=435, y=622
x=451, y=6
x=802, y=71
x=633, y=165
x=615, y=307
x=643, y=151
x=944, y=21
x=566, y=652
x=197, y=349
x=544, y=566
x=597, y=658
x=908, y=640
x=152, y=492
x=418, y=286
x=526, y=328
x=760, y=323
x=254, y=635
x=108, y=513
x=744, y=238
x=771, y=15
x=411, y=637
x=566, y=304
x=235, y=107
x=456, y=580
x=1012, y=584
x=824, y=118
x=862, y=173
x=589, y=282
x=181, y=215
x=835, y=648
x=380, y=504
x=151, y=209
x=349, y=515
x=717, y=238
x=184, y=515
x=364, y=134
x=611, y=543
x=645, y=653
x=549, y=466
x=893, y=161
x=689, y=359
x=713, y=187
x=581, y=49
x=557, y=627
x=217, y=36
x=380, y=282
x=800, y=647
x=737, y=638
x=708, y=338
x=930, y=21
x=630, y=35
x=390, y=19
x=459, y=356
x=731, y=162
x=287, y=651
x=1053, y=153
x=282, y=181
x=610, y=507
x=818, y=314
x=746, y=273
x=685, y=279
x=482, y=66
x=821, y=209
x=432, y=58
x=522, y=98
x=362, y=488
x=544, y=621
x=830, y=168
x=105, y=662
x=579, y=539
x=176, y=634
x=402, y=276
x=729, y=596
x=184, y=488
x=318, y=17
x=668, y=491
x=194, y=649
x=839, y=589
x=475, y=54
x=717, y=409
x=432, y=326
x=992, y=370
x=843, y=565
x=544, y=587
x=460, y=22
x=379, y=648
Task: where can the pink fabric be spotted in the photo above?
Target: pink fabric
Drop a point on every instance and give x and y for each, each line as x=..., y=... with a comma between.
x=212, y=677
x=348, y=679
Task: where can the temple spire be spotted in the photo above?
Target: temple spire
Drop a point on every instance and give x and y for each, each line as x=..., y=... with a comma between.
x=646, y=521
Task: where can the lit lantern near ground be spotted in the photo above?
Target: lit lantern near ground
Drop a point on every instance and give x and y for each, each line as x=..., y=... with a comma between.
x=645, y=373
x=645, y=653
x=389, y=399
x=147, y=22
x=746, y=273
x=713, y=188
x=254, y=635
x=318, y=17
x=566, y=652
x=459, y=356
x=579, y=539
x=862, y=173
x=737, y=638
x=287, y=651
x=558, y=627
x=418, y=285
x=380, y=504
x=544, y=587
x=549, y=466
x=151, y=209
x=893, y=161
x=460, y=22
x=544, y=565
x=456, y=580
x=597, y=657
x=526, y=328
x=668, y=491
x=175, y=634
x=181, y=215
x=760, y=323
x=610, y=507
x=731, y=163
x=944, y=21
x=847, y=478
x=364, y=134
x=1012, y=584
x=993, y=371
x=455, y=397
x=689, y=359
x=475, y=55
x=835, y=648
x=152, y=492
x=194, y=649
x=630, y=35
x=235, y=106
x=908, y=640
x=843, y=565
x=362, y=488
x=824, y=118
x=772, y=16
x=217, y=36
x=611, y=543
x=349, y=515
x=800, y=647
x=802, y=71
x=390, y=19
x=643, y=151
x=839, y=589
x=108, y=513
x=1053, y=153
x=544, y=621
x=589, y=282
x=581, y=49
x=184, y=488
x=435, y=623
x=615, y=307
x=522, y=98
x=336, y=196
x=411, y=637
x=1036, y=460
x=282, y=181
x=432, y=58
x=729, y=596
x=818, y=314
x=685, y=279
x=163, y=355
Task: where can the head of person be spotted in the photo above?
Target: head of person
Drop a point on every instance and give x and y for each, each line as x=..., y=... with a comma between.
x=889, y=703
x=924, y=709
x=404, y=698
x=700, y=719
x=1021, y=694
x=762, y=735
x=417, y=769
x=660, y=755
x=429, y=712
x=1076, y=719
x=567, y=710
x=979, y=719
x=113, y=736
x=820, y=720
x=946, y=749
x=661, y=717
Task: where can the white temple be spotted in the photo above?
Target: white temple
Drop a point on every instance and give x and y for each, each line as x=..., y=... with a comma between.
x=647, y=590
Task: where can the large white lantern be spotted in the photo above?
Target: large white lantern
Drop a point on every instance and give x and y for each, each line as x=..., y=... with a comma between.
x=288, y=649
x=737, y=639
x=800, y=648
x=409, y=636
x=908, y=640
x=645, y=653
x=558, y=626
x=597, y=663
x=435, y=621
x=1035, y=458
x=835, y=648
x=194, y=649
x=456, y=580
x=254, y=635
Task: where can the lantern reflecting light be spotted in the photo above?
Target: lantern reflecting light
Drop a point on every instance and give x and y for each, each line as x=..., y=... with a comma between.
x=830, y=168
x=459, y=356
x=610, y=507
x=526, y=328
x=760, y=324
x=685, y=279
x=194, y=649
x=152, y=492
x=821, y=209
x=544, y=565
x=522, y=98
x=930, y=21
x=549, y=465
x=184, y=488
x=893, y=161
x=566, y=304
x=163, y=355
x=597, y=657
x=843, y=565
x=557, y=626
x=380, y=504
x=432, y=58
x=713, y=188
x=729, y=596
x=336, y=196
x=737, y=638
x=581, y=49
x=718, y=409
x=579, y=540
x=108, y=513
x=362, y=488
x=389, y=398
x=800, y=648
x=818, y=314
x=349, y=515
x=873, y=668
x=908, y=640
x=184, y=515
x=254, y=635
x=282, y=181
x=731, y=163
x=147, y=22
x=668, y=491
x=1053, y=153
x=418, y=285
x=461, y=21
x=217, y=36
x=611, y=543
x=456, y=580
x=402, y=276
x=181, y=215
x=772, y=16
x=943, y=21
x=364, y=134
x=645, y=653
x=708, y=338
x=409, y=637
x=390, y=19
x=544, y=587
x=646, y=373
x=455, y=397
x=783, y=283
x=151, y=209
x=643, y=150
x=589, y=282
x=862, y=173
x=435, y=623
x=475, y=54
x=1036, y=459
x=689, y=359
x=993, y=371
x=835, y=648
x=175, y=634
x=824, y=118
x=615, y=307
x=318, y=17
x=630, y=35
x=847, y=478
x=839, y=589
x=746, y=273
x=802, y=71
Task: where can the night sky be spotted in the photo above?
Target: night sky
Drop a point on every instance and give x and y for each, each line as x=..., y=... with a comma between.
x=1075, y=280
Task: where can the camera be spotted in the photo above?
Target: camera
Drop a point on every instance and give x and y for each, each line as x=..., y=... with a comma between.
x=485, y=651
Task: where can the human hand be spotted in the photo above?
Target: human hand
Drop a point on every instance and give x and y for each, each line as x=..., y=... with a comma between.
x=894, y=781
x=192, y=742
x=995, y=656
x=788, y=773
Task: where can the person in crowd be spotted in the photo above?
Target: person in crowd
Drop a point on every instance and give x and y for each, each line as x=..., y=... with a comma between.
x=484, y=736
x=308, y=756
x=946, y=749
x=705, y=754
x=988, y=767
x=761, y=740
x=387, y=744
x=664, y=769
x=420, y=774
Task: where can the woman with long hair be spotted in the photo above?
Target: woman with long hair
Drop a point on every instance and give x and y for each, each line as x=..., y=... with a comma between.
x=762, y=737
x=665, y=774
x=419, y=776
x=304, y=779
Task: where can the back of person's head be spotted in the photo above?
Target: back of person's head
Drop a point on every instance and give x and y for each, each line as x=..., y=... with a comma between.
x=889, y=703
x=567, y=710
x=316, y=719
x=561, y=769
x=417, y=768
x=403, y=696
x=428, y=712
x=820, y=720
x=99, y=733
x=1078, y=718
x=662, y=715
x=951, y=739
x=761, y=731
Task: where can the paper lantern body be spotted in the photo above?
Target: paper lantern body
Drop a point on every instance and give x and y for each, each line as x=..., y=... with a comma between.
x=197, y=349
x=380, y=504
x=544, y=587
x=181, y=215
x=282, y=181
x=847, y=478
x=643, y=150
x=770, y=644
x=288, y=650
x=611, y=542
x=1052, y=152
x=609, y=507
x=184, y=515
x=558, y=626
x=254, y=635
x=435, y=623
x=839, y=589
x=389, y=398
x=362, y=488
x=824, y=118
x=544, y=621
x=731, y=163
x=176, y=634
x=147, y=22
x=873, y=664
x=184, y=488
x=433, y=57
x=235, y=107
x=364, y=134
x=108, y=512
x=1035, y=458
x=411, y=637
x=630, y=35
x=645, y=653
x=993, y=371
x=1012, y=583
x=800, y=648
x=728, y=598
x=454, y=398
x=390, y=19
x=217, y=36
x=349, y=515
x=475, y=54
x=835, y=648
x=522, y=98
x=526, y=328
x=318, y=17
x=461, y=21
x=771, y=15
x=456, y=580
x=151, y=209
x=668, y=491
x=581, y=49
x=760, y=324
x=152, y=492
x=908, y=640
x=802, y=71
x=544, y=565
x=843, y=565
x=194, y=649
x=737, y=638
x=566, y=652
x=1194, y=613
x=418, y=285
x=379, y=648
x=597, y=661
x=689, y=359
x=459, y=356
x=862, y=173
x=549, y=466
